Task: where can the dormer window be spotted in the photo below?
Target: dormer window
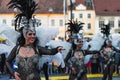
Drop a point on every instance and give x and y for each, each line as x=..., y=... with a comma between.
x=106, y=10
x=118, y=10
x=50, y=9
x=88, y=3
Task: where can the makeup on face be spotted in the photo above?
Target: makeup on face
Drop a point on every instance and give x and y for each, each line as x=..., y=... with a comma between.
x=30, y=37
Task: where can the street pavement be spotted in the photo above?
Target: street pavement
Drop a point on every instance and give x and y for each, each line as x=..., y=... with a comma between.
x=114, y=78
x=6, y=77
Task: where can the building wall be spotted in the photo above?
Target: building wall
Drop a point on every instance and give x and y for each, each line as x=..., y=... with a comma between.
x=7, y=19
x=45, y=20
x=106, y=19
x=85, y=20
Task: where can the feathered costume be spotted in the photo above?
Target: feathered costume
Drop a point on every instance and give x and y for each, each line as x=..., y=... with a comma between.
x=20, y=5
x=27, y=67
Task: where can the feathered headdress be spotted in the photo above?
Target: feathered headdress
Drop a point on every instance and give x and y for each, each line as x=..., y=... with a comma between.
x=74, y=26
x=25, y=17
x=106, y=30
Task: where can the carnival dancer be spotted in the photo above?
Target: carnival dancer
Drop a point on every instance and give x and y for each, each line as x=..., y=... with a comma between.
x=26, y=52
x=76, y=62
x=108, y=54
x=78, y=70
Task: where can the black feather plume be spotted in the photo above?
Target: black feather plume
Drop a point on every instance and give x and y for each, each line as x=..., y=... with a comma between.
x=74, y=26
x=106, y=30
x=26, y=9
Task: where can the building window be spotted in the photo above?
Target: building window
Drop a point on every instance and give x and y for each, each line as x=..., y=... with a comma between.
x=61, y=22
x=119, y=23
x=80, y=16
x=89, y=15
x=111, y=23
x=89, y=26
x=4, y=21
x=52, y=22
x=101, y=24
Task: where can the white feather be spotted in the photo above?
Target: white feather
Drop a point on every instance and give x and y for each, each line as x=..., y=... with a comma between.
x=6, y=49
x=115, y=40
x=64, y=44
x=97, y=42
x=10, y=34
x=45, y=34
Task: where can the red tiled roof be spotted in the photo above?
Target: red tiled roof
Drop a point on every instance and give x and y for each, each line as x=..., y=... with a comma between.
x=43, y=5
x=107, y=7
x=56, y=5
x=82, y=2
x=3, y=6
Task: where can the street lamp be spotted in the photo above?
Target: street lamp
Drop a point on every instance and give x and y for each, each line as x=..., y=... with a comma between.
x=64, y=11
x=50, y=10
x=71, y=7
x=71, y=10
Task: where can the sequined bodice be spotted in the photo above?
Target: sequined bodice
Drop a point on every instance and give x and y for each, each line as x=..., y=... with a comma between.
x=108, y=52
x=76, y=61
x=27, y=66
x=78, y=64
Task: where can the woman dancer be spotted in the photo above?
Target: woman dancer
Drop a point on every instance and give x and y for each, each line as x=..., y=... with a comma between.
x=26, y=52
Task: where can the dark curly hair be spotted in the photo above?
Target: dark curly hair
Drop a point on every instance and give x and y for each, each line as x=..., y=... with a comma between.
x=21, y=39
